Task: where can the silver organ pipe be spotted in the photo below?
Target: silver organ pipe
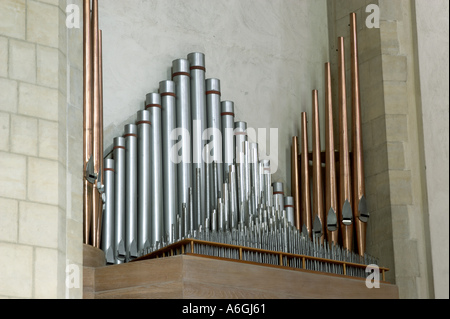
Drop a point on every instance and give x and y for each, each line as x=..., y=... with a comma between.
x=233, y=196
x=144, y=188
x=214, y=124
x=153, y=105
x=167, y=89
x=228, y=136
x=181, y=77
x=267, y=182
x=131, y=192
x=289, y=207
x=226, y=205
x=278, y=196
x=119, y=205
x=254, y=170
x=108, y=244
x=247, y=180
x=199, y=122
x=240, y=136
x=209, y=197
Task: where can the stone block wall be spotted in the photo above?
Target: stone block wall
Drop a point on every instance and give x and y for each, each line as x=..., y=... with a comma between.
x=37, y=191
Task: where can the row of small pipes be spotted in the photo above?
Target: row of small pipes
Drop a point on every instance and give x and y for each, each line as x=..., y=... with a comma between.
x=145, y=199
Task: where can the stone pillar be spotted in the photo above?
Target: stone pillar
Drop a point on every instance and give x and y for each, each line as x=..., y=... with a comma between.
x=40, y=200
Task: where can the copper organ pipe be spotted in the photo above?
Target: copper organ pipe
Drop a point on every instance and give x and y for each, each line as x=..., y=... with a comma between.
x=87, y=122
x=331, y=200
x=318, y=204
x=295, y=182
x=360, y=213
x=96, y=136
x=305, y=189
x=345, y=191
x=100, y=137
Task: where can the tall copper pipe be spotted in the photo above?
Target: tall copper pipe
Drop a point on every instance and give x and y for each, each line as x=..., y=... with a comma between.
x=96, y=198
x=331, y=202
x=345, y=190
x=306, y=217
x=100, y=134
x=318, y=205
x=87, y=120
x=295, y=182
x=359, y=208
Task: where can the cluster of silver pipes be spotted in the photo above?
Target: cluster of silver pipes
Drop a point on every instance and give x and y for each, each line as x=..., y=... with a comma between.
x=186, y=169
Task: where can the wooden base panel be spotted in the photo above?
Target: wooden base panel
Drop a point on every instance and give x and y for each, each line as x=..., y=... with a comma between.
x=193, y=277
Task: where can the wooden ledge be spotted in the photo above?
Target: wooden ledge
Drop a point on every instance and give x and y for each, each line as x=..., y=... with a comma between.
x=192, y=277
x=93, y=257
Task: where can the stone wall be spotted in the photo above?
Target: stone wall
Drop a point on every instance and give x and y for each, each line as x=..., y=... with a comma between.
x=38, y=222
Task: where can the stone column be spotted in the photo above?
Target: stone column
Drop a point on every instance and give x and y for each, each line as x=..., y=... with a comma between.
x=40, y=200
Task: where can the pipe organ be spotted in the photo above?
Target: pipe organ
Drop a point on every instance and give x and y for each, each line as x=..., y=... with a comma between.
x=186, y=169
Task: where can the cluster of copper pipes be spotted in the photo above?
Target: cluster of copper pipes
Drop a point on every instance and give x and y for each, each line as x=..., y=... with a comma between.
x=92, y=125
x=341, y=212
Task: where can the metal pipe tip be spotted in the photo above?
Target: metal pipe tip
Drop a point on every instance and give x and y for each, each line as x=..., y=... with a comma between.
x=109, y=163
x=130, y=129
x=143, y=116
x=181, y=66
x=119, y=142
x=212, y=85
x=196, y=59
x=277, y=187
x=227, y=107
x=153, y=98
x=240, y=125
x=289, y=201
x=167, y=87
